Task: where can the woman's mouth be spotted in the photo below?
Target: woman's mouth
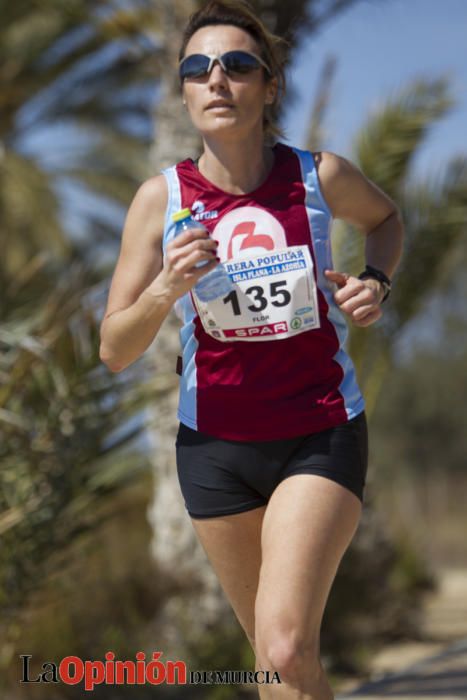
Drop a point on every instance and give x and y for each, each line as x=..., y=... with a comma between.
x=217, y=104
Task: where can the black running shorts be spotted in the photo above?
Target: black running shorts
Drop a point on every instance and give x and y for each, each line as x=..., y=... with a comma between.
x=222, y=477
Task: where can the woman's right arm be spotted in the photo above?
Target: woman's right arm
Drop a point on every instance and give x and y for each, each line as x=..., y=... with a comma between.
x=144, y=285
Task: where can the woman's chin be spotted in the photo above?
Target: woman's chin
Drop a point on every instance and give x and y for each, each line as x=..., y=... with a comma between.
x=224, y=125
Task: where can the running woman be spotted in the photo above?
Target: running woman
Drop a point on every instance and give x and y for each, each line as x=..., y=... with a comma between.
x=272, y=443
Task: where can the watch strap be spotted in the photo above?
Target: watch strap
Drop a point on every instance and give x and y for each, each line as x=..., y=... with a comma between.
x=379, y=275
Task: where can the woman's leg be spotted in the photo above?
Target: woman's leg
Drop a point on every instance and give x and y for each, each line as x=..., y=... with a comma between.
x=309, y=522
x=233, y=546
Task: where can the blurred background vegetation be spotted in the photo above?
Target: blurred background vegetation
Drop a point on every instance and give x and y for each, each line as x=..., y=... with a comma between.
x=89, y=108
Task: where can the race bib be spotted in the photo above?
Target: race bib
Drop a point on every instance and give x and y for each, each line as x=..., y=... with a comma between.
x=274, y=297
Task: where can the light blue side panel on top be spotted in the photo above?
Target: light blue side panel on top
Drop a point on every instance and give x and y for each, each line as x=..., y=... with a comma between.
x=185, y=311
x=320, y=219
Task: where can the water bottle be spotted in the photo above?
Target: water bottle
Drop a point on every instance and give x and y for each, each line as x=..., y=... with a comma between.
x=216, y=283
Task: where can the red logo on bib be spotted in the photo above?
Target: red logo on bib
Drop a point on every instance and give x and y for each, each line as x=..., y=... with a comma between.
x=250, y=240
x=248, y=230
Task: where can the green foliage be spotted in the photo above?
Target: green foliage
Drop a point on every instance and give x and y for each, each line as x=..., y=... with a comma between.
x=102, y=593
x=60, y=79
x=60, y=455
x=389, y=141
x=67, y=448
x=434, y=213
x=432, y=434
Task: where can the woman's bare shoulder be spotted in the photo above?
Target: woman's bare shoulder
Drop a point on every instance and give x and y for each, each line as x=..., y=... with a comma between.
x=149, y=204
x=155, y=185
x=332, y=167
x=350, y=195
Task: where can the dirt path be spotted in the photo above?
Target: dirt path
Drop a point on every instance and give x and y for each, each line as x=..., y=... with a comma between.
x=434, y=668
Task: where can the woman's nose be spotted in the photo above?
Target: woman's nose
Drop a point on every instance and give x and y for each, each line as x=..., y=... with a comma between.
x=217, y=74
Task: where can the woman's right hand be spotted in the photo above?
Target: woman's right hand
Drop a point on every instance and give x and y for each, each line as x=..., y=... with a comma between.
x=179, y=273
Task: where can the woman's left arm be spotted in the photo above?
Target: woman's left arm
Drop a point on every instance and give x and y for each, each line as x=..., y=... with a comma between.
x=355, y=199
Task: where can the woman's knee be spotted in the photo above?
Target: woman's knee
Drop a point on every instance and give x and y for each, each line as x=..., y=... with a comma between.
x=285, y=649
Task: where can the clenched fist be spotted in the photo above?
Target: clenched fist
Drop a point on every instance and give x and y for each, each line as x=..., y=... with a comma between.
x=359, y=299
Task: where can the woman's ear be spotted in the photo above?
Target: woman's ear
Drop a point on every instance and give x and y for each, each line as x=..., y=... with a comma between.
x=271, y=91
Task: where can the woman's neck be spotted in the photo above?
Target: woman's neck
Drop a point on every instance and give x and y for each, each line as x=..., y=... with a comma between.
x=236, y=167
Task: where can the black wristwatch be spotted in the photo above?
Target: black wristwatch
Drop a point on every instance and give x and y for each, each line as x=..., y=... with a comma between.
x=379, y=275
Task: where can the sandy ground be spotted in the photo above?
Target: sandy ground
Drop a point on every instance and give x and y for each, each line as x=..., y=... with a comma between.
x=434, y=668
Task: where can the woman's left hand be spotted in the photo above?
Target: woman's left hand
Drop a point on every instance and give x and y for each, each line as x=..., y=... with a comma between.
x=359, y=299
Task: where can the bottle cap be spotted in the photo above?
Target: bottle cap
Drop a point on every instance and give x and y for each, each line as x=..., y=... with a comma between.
x=180, y=215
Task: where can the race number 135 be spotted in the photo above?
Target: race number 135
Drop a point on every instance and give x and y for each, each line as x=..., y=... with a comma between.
x=277, y=295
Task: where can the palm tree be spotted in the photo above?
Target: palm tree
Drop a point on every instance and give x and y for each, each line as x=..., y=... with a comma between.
x=74, y=125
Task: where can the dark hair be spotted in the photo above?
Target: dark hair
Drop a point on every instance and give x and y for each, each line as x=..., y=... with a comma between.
x=240, y=14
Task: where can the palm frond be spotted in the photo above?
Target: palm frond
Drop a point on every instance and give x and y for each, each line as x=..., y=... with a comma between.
x=386, y=145
x=77, y=65
x=58, y=432
x=30, y=217
x=435, y=215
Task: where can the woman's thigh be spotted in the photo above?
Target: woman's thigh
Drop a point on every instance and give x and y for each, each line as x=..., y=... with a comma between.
x=233, y=546
x=308, y=524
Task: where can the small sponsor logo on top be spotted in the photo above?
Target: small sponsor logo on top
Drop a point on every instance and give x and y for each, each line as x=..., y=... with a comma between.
x=199, y=213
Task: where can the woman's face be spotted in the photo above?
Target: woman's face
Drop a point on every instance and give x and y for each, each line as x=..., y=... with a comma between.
x=243, y=96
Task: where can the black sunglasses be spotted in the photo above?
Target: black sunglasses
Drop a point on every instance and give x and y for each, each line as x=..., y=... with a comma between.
x=241, y=62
